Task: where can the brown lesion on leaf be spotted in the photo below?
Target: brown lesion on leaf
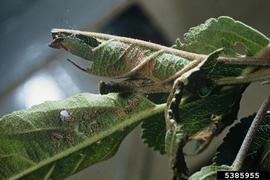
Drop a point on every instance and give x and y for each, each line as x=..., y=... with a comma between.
x=136, y=56
x=147, y=70
x=204, y=137
x=139, y=62
x=93, y=126
x=131, y=104
x=92, y=115
x=120, y=113
x=87, y=116
x=56, y=139
x=146, y=67
x=60, y=138
x=84, y=116
x=206, y=134
x=68, y=139
x=131, y=58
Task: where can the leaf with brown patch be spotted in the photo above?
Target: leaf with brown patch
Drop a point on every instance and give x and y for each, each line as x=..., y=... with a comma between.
x=57, y=139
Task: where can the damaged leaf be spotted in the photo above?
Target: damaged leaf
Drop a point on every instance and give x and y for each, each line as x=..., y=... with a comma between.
x=118, y=57
x=206, y=38
x=59, y=138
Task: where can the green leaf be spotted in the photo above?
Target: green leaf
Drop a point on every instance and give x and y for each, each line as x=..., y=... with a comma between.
x=219, y=109
x=56, y=139
x=123, y=57
x=209, y=172
x=216, y=109
x=153, y=132
x=116, y=57
x=145, y=66
x=198, y=80
x=154, y=128
x=215, y=33
x=263, y=160
x=262, y=136
x=224, y=32
x=175, y=140
x=228, y=150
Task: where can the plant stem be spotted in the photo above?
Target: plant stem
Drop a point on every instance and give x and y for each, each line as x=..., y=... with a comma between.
x=237, y=164
x=184, y=54
x=262, y=75
x=187, y=68
x=252, y=61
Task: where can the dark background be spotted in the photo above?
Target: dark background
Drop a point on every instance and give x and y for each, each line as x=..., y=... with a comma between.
x=31, y=72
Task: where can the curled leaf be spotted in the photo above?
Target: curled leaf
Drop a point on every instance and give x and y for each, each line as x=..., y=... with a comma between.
x=175, y=140
x=119, y=57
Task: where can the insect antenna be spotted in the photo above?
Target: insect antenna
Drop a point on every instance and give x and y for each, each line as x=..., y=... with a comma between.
x=72, y=62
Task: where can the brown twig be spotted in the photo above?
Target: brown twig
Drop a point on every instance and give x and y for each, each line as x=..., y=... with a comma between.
x=184, y=54
x=262, y=75
x=237, y=164
x=249, y=61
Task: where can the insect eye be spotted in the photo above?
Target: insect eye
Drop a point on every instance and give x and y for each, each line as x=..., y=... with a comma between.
x=64, y=115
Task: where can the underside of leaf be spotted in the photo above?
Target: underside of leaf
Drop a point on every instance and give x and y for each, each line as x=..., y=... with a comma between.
x=57, y=139
x=114, y=57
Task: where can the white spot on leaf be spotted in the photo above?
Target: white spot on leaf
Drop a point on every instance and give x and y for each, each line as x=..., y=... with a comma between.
x=64, y=115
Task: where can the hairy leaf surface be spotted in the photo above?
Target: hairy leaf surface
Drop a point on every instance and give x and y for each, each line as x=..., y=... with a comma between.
x=117, y=57
x=209, y=172
x=146, y=66
x=196, y=115
x=153, y=132
x=223, y=32
x=56, y=139
x=227, y=33
x=263, y=160
x=215, y=33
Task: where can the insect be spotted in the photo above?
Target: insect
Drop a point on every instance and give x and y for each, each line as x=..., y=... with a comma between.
x=143, y=67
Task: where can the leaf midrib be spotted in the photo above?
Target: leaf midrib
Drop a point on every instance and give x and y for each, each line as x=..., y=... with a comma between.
x=136, y=118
